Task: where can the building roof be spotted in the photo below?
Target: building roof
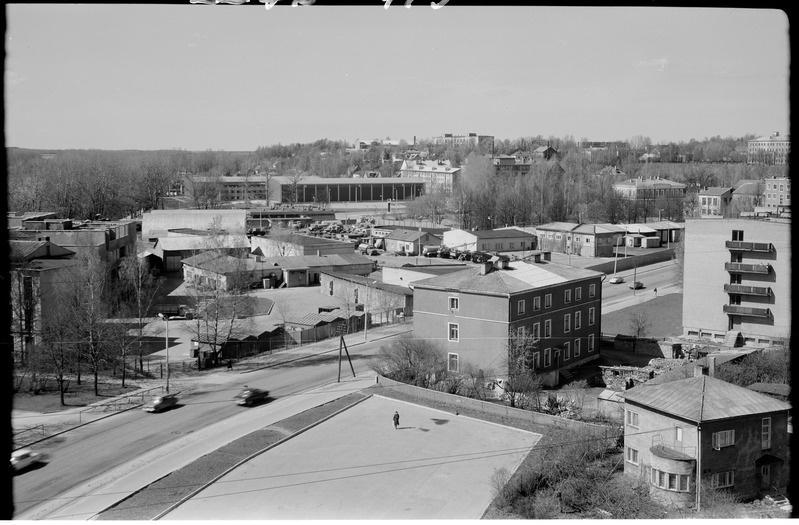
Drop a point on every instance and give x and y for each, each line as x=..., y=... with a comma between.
x=749, y=187
x=715, y=190
x=310, y=240
x=504, y=233
x=26, y=250
x=558, y=226
x=649, y=183
x=215, y=262
x=775, y=389
x=369, y=281
x=519, y=277
x=172, y=243
x=408, y=235
x=391, y=227
x=703, y=398
x=330, y=181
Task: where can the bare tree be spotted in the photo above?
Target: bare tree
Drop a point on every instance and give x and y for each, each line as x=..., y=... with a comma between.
x=55, y=355
x=411, y=360
x=522, y=383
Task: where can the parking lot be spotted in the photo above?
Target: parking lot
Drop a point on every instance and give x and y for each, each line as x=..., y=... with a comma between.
x=436, y=465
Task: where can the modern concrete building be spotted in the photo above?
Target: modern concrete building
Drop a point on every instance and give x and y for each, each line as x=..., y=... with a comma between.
x=698, y=429
x=773, y=149
x=437, y=175
x=313, y=189
x=478, y=312
x=498, y=240
x=449, y=139
x=737, y=278
x=777, y=193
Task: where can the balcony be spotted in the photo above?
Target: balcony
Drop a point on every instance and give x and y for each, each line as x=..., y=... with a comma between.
x=761, y=291
x=747, y=268
x=740, y=246
x=746, y=311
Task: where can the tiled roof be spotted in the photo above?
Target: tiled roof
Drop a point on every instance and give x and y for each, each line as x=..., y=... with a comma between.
x=715, y=191
x=520, y=277
x=702, y=399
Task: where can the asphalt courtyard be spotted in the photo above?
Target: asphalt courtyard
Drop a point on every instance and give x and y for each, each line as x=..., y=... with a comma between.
x=436, y=465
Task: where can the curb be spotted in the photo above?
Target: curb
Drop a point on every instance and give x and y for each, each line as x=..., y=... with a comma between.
x=251, y=456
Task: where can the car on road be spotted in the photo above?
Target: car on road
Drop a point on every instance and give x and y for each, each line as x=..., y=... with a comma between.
x=635, y=285
x=23, y=458
x=161, y=403
x=251, y=396
x=616, y=279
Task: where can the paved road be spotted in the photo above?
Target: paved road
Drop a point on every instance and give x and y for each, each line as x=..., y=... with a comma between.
x=660, y=276
x=82, y=455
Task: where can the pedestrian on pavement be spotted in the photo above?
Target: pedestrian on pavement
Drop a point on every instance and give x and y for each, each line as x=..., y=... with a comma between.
x=396, y=420
x=656, y=292
x=229, y=364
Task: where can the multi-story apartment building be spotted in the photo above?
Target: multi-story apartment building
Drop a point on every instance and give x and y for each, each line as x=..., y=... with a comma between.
x=689, y=431
x=449, y=139
x=641, y=189
x=773, y=149
x=437, y=175
x=511, y=165
x=477, y=313
x=714, y=201
x=777, y=193
x=737, y=277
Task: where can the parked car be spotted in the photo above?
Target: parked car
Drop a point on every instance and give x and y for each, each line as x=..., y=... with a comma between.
x=430, y=251
x=616, y=279
x=161, y=403
x=25, y=457
x=251, y=396
x=444, y=253
x=635, y=285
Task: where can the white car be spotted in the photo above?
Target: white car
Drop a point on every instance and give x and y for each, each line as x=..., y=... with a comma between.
x=616, y=279
x=24, y=458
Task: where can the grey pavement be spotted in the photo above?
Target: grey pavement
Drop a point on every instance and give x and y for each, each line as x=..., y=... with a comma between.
x=357, y=466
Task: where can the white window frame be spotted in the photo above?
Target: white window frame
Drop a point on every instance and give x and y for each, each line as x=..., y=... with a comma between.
x=662, y=480
x=457, y=328
x=567, y=351
x=631, y=455
x=578, y=293
x=567, y=323
x=520, y=307
x=765, y=433
x=632, y=419
x=720, y=480
x=678, y=434
x=454, y=304
x=547, y=328
x=592, y=290
x=536, y=303
x=536, y=332
x=548, y=300
x=590, y=342
x=450, y=356
x=547, y=357
x=577, y=347
x=723, y=438
x=567, y=296
x=591, y=316
x=520, y=332
x=536, y=360
x=578, y=320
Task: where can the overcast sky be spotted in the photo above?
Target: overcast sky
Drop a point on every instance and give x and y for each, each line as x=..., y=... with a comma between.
x=228, y=77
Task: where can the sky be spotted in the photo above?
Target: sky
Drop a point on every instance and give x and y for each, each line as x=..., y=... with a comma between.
x=237, y=77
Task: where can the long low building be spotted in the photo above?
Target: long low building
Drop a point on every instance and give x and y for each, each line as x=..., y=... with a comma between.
x=500, y=240
x=313, y=189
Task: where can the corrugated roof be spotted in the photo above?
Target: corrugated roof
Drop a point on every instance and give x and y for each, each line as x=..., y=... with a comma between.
x=702, y=399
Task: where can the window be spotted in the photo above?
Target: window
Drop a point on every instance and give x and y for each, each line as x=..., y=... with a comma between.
x=578, y=320
x=725, y=438
x=536, y=360
x=567, y=322
x=454, y=303
x=591, y=290
x=452, y=363
x=737, y=235
x=547, y=329
x=548, y=300
x=723, y=479
x=513, y=245
x=590, y=316
x=453, y=332
x=567, y=351
x=632, y=419
x=765, y=439
x=668, y=481
x=678, y=434
x=631, y=456
x=578, y=293
x=520, y=332
x=567, y=296
x=576, y=348
x=520, y=307
x=590, y=342
x=547, y=356
x=536, y=303
x=536, y=331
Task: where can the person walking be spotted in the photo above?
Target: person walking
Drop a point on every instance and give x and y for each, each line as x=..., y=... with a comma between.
x=396, y=420
x=656, y=292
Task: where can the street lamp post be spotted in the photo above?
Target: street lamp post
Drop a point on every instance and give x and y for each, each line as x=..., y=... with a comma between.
x=166, y=346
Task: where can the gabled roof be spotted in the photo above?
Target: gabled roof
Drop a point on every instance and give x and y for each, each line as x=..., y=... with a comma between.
x=703, y=398
x=519, y=277
x=715, y=190
x=504, y=233
x=558, y=226
x=749, y=187
x=199, y=242
x=26, y=250
x=408, y=235
x=370, y=282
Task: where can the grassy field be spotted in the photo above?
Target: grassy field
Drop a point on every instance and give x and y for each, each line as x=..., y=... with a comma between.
x=664, y=313
x=81, y=395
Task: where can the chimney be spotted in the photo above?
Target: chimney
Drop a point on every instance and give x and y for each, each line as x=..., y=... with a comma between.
x=711, y=362
x=700, y=371
x=485, y=268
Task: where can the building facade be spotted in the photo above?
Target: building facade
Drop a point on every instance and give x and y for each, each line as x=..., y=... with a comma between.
x=437, y=175
x=477, y=313
x=410, y=242
x=777, y=193
x=713, y=202
x=297, y=244
x=704, y=429
x=737, y=277
x=497, y=241
x=313, y=189
x=587, y=240
x=773, y=149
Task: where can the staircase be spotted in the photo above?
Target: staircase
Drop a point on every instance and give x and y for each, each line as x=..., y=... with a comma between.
x=731, y=339
x=565, y=374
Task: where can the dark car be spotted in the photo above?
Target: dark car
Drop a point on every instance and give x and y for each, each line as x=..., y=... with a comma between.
x=635, y=285
x=161, y=403
x=444, y=253
x=251, y=396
